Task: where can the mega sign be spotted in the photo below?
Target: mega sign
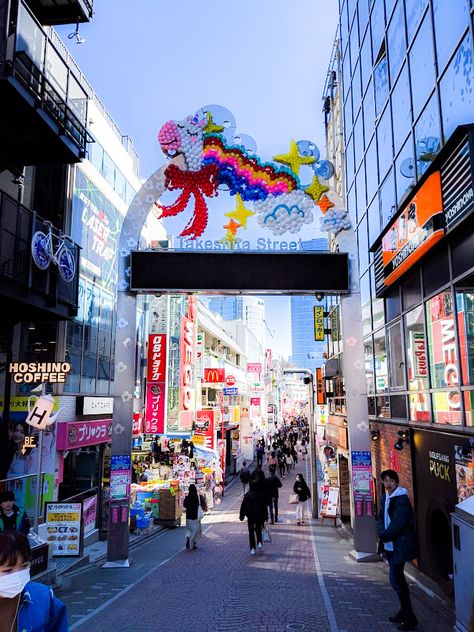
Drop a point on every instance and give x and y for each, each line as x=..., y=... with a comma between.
x=417, y=229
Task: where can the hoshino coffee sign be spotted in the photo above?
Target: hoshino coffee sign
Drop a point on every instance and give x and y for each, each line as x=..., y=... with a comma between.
x=34, y=372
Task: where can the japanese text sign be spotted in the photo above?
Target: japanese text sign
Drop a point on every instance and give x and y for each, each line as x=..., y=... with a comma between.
x=63, y=526
x=155, y=408
x=77, y=434
x=318, y=323
x=156, y=358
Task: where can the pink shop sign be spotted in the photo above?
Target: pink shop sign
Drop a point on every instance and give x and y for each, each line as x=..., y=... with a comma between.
x=77, y=434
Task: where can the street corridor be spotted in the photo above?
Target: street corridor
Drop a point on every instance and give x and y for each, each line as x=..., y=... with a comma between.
x=303, y=580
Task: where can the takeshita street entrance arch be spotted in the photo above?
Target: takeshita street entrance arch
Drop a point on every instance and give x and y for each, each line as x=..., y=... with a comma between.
x=204, y=160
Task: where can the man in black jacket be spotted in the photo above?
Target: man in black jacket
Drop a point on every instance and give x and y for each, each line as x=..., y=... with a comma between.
x=253, y=507
x=272, y=485
x=396, y=526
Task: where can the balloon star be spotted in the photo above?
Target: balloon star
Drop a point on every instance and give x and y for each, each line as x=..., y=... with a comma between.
x=241, y=213
x=293, y=158
x=316, y=189
x=230, y=238
x=324, y=204
x=211, y=127
x=232, y=227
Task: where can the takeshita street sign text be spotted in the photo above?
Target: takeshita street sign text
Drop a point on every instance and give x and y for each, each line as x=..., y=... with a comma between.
x=274, y=201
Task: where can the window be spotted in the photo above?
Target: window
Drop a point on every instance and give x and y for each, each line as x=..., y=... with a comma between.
x=366, y=60
x=352, y=205
x=469, y=407
x=365, y=302
x=422, y=66
x=456, y=15
x=405, y=169
x=354, y=42
x=346, y=72
x=381, y=83
x=380, y=357
x=401, y=109
x=396, y=362
x=457, y=90
x=363, y=15
x=416, y=351
x=387, y=198
x=371, y=170
x=377, y=21
x=373, y=217
x=358, y=140
x=419, y=407
x=396, y=40
x=377, y=304
x=414, y=10
x=363, y=245
x=443, y=358
x=350, y=160
x=427, y=136
x=369, y=113
x=465, y=315
x=384, y=143
x=436, y=271
x=360, y=191
x=411, y=290
x=393, y=304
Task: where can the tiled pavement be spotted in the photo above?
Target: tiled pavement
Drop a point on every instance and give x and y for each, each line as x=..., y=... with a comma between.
x=221, y=588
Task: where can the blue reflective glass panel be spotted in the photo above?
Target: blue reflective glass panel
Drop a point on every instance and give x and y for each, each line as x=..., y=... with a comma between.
x=414, y=10
x=366, y=60
x=405, y=169
x=381, y=84
x=373, y=216
x=371, y=170
x=346, y=72
x=427, y=136
x=356, y=90
x=422, y=66
x=396, y=40
x=451, y=19
x=401, y=109
x=362, y=238
x=358, y=141
x=354, y=42
x=369, y=113
x=344, y=27
x=384, y=142
x=363, y=15
x=361, y=191
x=350, y=161
x=387, y=198
x=377, y=21
x=456, y=87
x=352, y=205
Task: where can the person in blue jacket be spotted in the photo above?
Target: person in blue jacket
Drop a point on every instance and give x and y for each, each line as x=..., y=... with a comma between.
x=25, y=606
x=12, y=518
x=396, y=527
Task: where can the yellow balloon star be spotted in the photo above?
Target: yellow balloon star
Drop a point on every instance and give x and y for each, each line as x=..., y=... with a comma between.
x=232, y=227
x=293, y=158
x=316, y=189
x=241, y=213
x=230, y=238
x=211, y=127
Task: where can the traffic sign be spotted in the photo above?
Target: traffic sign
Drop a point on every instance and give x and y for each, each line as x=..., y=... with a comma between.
x=230, y=380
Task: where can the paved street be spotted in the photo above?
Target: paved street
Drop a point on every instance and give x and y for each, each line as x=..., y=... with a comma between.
x=305, y=577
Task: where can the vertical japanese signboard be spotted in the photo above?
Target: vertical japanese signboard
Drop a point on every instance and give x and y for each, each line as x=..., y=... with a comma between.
x=155, y=392
x=318, y=323
x=120, y=475
x=320, y=390
x=362, y=482
x=187, y=354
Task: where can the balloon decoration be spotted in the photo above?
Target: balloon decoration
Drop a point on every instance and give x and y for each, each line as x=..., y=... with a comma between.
x=214, y=160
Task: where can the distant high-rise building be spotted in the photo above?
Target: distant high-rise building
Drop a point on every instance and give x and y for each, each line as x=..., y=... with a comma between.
x=306, y=353
x=249, y=309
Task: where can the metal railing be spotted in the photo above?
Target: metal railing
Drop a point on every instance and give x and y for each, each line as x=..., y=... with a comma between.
x=17, y=225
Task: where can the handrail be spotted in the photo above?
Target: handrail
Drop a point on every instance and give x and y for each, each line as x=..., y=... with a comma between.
x=88, y=493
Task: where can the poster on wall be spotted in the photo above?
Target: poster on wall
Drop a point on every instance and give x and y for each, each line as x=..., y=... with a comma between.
x=89, y=513
x=464, y=472
x=204, y=427
x=120, y=474
x=63, y=526
x=362, y=482
x=329, y=501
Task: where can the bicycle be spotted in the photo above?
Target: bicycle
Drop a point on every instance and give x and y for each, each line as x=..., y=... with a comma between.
x=43, y=252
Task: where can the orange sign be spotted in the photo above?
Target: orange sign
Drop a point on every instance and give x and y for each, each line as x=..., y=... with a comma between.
x=415, y=231
x=320, y=390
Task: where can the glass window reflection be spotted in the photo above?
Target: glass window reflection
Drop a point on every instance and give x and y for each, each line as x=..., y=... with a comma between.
x=371, y=170
x=396, y=363
x=377, y=20
x=358, y=140
x=405, y=170
x=416, y=350
x=387, y=198
x=380, y=358
x=350, y=160
x=427, y=136
x=381, y=84
x=422, y=66
x=373, y=217
x=419, y=407
x=354, y=43
x=465, y=316
x=356, y=89
x=384, y=142
x=414, y=10
x=401, y=109
x=456, y=15
x=396, y=40
x=361, y=191
x=369, y=365
x=362, y=238
x=366, y=60
x=363, y=16
x=365, y=302
x=456, y=87
x=369, y=113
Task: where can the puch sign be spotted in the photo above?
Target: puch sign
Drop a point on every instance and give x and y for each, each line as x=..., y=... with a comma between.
x=44, y=372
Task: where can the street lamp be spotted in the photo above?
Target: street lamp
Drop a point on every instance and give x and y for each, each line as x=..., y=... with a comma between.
x=309, y=380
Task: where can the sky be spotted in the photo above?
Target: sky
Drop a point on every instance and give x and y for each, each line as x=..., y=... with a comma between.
x=264, y=60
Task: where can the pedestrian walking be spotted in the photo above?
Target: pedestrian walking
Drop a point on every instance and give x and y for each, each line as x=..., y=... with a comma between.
x=244, y=475
x=272, y=461
x=294, y=454
x=12, y=517
x=25, y=605
x=301, y=489
x=396, y=527
x=260, y=452
x=273, y=484
x=282, y=463
x=253, y=508
x=195, y=506
x=304, y=449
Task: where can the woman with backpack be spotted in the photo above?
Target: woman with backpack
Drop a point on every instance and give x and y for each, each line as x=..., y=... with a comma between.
x=301, y=489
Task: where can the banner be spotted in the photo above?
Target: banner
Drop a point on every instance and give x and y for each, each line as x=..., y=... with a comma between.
x=156, y=370
x=187, y=356
x=318, y=311
x=155, y=408
x=204, y=427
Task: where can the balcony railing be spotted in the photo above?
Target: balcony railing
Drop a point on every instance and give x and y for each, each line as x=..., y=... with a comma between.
x=62, y=11
x=17, y=225
x=38, y=65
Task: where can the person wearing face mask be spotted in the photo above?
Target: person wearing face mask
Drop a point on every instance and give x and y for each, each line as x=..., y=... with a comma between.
x=12, y=518
x=25, y=605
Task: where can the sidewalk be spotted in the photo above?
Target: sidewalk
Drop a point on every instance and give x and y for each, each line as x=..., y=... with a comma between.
x=305, y=577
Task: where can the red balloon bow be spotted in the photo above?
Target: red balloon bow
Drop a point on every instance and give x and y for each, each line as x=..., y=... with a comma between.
x=197, y=183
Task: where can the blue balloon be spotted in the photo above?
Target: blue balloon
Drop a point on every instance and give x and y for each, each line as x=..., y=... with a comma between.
x=324, y=169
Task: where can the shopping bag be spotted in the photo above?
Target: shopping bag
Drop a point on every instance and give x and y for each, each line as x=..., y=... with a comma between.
x=294, y=499
x=266, y=537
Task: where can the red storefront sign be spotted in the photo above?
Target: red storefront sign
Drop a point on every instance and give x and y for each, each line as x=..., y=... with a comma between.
x=187, y=361
x=214, y=376
x=156, y=358
x=155, y=408
x=255, y=401
x=78, y=434
x=204, y=426
x=254, y=367
x=137, y=427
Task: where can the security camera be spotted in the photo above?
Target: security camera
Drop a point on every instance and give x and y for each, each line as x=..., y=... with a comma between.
x=319, y=296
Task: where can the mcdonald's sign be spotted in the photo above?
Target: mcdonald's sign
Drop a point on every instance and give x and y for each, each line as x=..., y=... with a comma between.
x=214, y=376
